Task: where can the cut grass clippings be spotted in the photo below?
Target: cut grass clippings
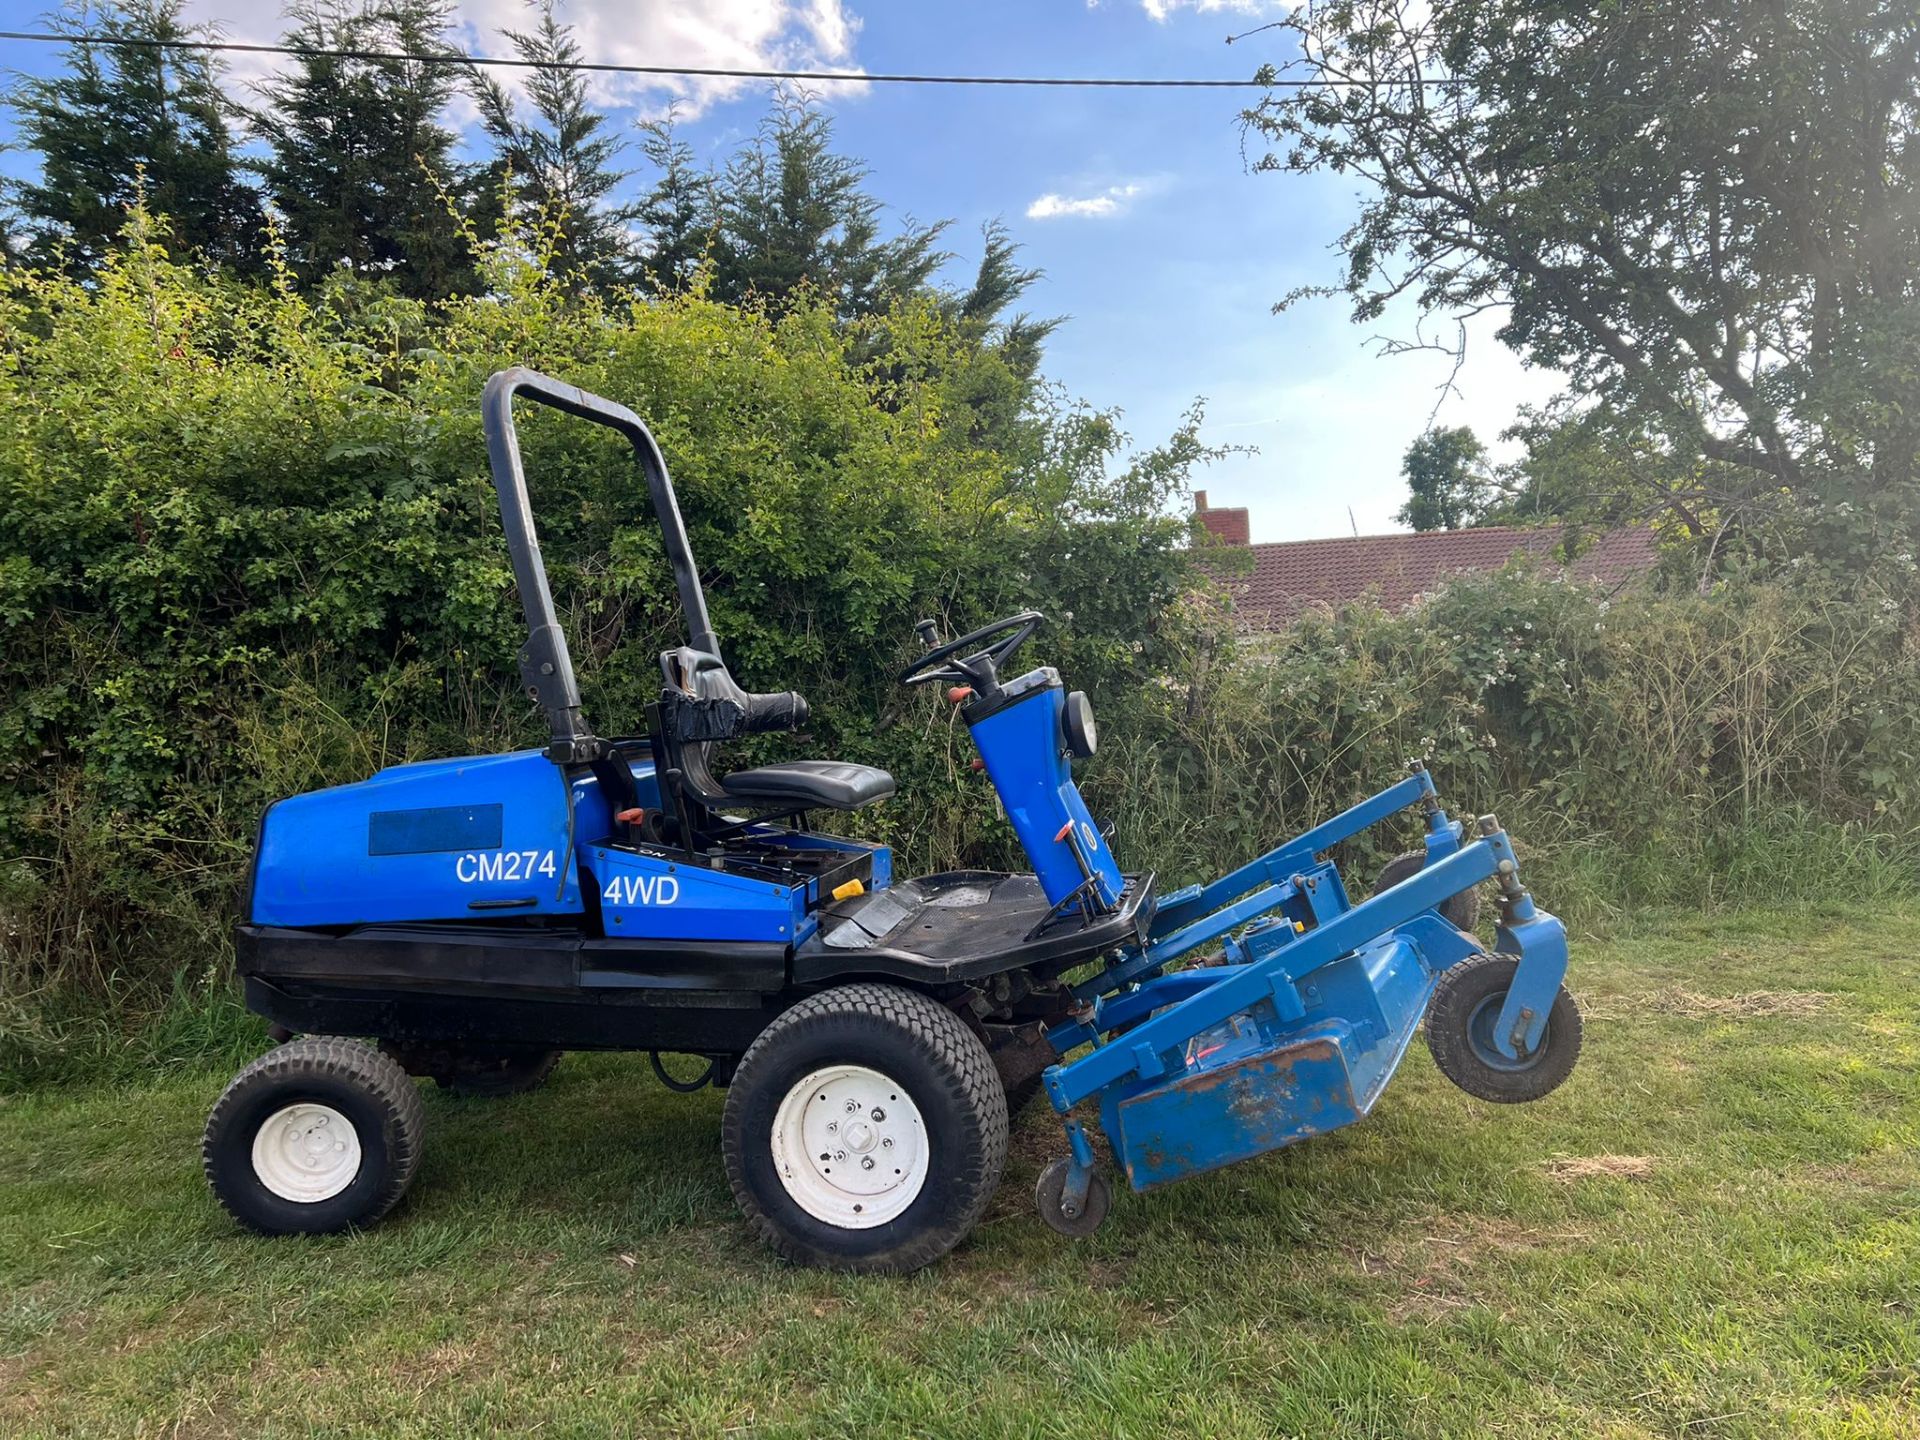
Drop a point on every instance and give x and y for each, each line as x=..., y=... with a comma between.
x=1587, y=1167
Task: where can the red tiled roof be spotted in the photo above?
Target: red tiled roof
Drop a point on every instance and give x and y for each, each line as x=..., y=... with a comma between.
x=1291, y=576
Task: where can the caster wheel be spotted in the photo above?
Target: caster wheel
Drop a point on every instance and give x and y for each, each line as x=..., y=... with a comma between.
x=319, y=1135
x=1460, y=1025
x=1050, y=1193
x=865, y=1130
x=1462, y=911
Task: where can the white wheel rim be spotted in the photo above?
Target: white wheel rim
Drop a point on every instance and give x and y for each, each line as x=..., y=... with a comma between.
x=850, y=1147
x=306, y=1153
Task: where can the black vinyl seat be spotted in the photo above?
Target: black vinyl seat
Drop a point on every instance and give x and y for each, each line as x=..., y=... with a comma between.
x=810, y=784
x=702, y=707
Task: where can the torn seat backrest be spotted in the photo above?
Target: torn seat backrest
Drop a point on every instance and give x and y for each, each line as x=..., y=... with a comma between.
x=702, y=705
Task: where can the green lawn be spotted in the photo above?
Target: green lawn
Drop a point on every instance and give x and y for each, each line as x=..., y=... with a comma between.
x=1713, y=1230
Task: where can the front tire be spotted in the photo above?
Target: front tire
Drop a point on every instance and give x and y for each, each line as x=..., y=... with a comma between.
x=1460, y=1033
x=1462, y=911
x=316, y=1136
x=865, y=1130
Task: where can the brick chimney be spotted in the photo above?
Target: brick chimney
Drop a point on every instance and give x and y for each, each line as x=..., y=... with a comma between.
x=1229, y=526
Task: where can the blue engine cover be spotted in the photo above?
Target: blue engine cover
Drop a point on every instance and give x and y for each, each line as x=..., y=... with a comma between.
x=440, y=840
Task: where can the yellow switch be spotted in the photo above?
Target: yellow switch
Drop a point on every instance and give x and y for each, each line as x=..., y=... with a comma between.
x=849, y=890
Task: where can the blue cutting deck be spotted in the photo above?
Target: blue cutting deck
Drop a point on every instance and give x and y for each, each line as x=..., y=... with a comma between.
x=1301, y=1029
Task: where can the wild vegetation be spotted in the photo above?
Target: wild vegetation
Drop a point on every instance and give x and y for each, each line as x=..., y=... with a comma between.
x=247, y=540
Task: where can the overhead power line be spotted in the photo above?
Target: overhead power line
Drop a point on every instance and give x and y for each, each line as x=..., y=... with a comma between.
x=455, y=57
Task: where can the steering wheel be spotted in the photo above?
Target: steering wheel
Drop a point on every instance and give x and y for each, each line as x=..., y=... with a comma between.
x=939, y=664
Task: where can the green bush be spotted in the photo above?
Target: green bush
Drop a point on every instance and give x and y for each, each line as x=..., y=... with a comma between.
x=248, y=546
x=1761, y=742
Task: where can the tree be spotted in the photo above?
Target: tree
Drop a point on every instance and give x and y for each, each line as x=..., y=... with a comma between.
x=792, y=213
x=361, y=169
x=561, y=161
x=1581, y=471
x=678, y=212
x=129, y=119
x=997, y=284
x=1447, y=483
x=1707, y=216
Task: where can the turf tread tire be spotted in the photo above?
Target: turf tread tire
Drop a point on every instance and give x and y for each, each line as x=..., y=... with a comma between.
x=331, y=1066
x=1023, y=1093
x=965, y=1086
x=1462, y=989
x=1462, y=911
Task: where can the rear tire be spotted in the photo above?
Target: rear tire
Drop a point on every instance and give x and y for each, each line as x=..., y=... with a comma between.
x=1461, y=911
x=316, y=1136
x=1460, y=1025
x=865, y=1131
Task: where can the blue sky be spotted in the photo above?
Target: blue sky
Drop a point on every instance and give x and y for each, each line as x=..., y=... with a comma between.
x=1156, y=241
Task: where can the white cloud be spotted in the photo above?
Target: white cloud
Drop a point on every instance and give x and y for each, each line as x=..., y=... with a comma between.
x=700, y=34
x=1110, y=201
x=1162, y=9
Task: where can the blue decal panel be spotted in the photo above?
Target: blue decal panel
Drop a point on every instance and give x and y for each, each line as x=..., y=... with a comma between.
x=435, y=828
x=652, y=897
x=439, y=840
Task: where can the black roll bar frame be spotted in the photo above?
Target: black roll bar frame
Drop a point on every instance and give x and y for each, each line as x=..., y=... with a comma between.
x=546, y=665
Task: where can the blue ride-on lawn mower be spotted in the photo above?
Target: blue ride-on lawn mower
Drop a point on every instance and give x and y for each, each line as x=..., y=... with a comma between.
x=477, y=917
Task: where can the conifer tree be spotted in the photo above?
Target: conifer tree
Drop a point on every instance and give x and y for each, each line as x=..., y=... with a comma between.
x=561, y=160
x=997, y=284
x=361, y=167
x=678, y=213
x=126, y=120
x=792, y=212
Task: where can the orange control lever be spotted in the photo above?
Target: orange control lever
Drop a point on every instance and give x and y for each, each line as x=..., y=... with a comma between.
x=959, y=694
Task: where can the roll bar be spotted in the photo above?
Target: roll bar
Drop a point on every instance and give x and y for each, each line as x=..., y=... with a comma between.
x=546, y=666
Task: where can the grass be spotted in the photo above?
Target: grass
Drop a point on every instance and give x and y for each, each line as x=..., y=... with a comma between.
x=1713, y=1230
